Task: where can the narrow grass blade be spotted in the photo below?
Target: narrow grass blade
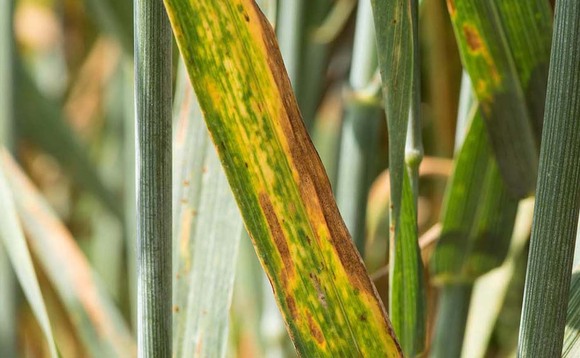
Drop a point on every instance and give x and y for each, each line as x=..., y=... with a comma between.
x=94, y=316
x=572, y=332
x=207, y=227
x=41, y=121
x=14, y=242
x=396, y=26
x=558, y=196
x=153, y=89
x=328, y=301
x=504, y=47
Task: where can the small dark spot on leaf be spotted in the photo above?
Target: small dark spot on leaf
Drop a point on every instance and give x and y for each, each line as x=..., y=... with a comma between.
x=176, y=308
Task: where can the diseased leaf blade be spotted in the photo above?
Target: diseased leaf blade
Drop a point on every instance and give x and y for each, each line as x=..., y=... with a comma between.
x=505, y=50
x=321, y=286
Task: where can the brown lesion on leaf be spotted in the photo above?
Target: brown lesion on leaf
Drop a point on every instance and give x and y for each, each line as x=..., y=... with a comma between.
x=278, y=236
x=472, y=38
x=315, y=330
x=291, y=303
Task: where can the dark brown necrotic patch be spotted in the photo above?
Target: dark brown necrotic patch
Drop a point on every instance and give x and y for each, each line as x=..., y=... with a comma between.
x=277, y=235
x=472, y=37
x=315, y=330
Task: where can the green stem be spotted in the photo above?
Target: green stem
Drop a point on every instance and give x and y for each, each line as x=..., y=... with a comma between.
x=153, y=87
x=558, y=195
x=452, y=313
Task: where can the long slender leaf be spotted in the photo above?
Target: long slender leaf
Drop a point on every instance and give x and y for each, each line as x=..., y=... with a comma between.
x=504, y=46
x=395, y=23
x=477, y=224
x=153, y=88
x=95, y=318
x=558, y=197
x=14, y=242
x=327, y=299
x=206, y=230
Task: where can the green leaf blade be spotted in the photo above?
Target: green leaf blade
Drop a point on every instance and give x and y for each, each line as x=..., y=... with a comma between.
x=558, y=197
x=207, y=229
x=397, y=57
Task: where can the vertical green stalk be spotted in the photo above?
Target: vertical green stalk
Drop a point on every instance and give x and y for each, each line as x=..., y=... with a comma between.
x=558, y=196
x=153, y=44
x=357, y=163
